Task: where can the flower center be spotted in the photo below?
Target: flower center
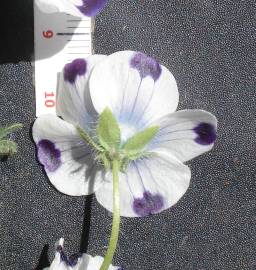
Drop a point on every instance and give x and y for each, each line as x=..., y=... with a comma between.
x=127, y=131
x=118, y=141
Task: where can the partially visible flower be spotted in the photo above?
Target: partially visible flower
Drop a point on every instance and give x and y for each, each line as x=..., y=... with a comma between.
x=142, y=97
x=80, y=261
x=77, y=8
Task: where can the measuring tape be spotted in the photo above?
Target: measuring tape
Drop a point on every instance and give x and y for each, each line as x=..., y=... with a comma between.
x=59, y=39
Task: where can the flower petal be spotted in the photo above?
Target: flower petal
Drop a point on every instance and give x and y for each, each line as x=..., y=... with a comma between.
x=73, y=98
x=95, y=264
x=135, y=87
x=186, y=134
x=67, y=160
x=75, y=262
x=91, y=8
x=149, y=186
x=77, y=8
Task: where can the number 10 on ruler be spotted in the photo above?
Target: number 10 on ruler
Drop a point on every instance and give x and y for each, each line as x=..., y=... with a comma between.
x=49, y=100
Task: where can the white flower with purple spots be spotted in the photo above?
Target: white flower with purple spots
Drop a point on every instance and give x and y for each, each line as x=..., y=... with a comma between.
x=79, y=8
x=141, y=96
x=80, y=261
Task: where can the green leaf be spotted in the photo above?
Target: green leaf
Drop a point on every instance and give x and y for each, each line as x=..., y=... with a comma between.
x=108, y=130
x=4, y=131
x=135, y=145
x=8, y=147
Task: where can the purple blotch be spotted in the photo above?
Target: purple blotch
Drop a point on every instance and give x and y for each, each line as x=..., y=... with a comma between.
x=71, y=260
x=147, y=66
x=63, y=256
x=59, y=248
x=206, y=133
x=48, y=155
x=149, y=204
x=91, y=8
x=76, y=68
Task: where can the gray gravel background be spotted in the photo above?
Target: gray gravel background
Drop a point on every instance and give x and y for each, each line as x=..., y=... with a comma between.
x=209, y=46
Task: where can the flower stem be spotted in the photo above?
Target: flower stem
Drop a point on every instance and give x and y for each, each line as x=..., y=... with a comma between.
x=116, y=218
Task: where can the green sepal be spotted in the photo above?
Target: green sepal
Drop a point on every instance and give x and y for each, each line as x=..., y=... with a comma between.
x=105, y=161
x=132, y=155
x=7, y=148
x=133, y=148
x=87, y=138
x=108, y=131
x=5, y=131
x=124, y=165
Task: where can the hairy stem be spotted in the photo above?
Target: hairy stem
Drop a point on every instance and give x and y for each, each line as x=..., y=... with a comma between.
x=116, y=218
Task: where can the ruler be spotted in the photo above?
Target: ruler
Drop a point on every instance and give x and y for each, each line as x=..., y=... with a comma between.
x=59, y=38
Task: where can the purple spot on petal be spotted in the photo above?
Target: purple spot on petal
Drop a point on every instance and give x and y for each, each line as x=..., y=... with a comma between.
x=48, y=155
x=76, y=68
x=63, y=256
x=91, y=8
x=59, y=248
x=149, y=204
x=206, y=133
x=71, y=260
x=146, y=66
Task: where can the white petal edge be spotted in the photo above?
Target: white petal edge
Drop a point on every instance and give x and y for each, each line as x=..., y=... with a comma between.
x=161, y=174
x=77, y=173
x=134, y=100
x=73, y=99
x=177, y=136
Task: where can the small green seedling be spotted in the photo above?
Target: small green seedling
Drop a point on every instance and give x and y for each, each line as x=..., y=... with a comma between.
x=7, y=146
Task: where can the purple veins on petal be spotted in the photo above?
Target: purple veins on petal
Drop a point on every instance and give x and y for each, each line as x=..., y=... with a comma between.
x=206, y=133
x=149, y=204
x=91, y=8
x=76, y=68
x=49, y=155
x=146, y=66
